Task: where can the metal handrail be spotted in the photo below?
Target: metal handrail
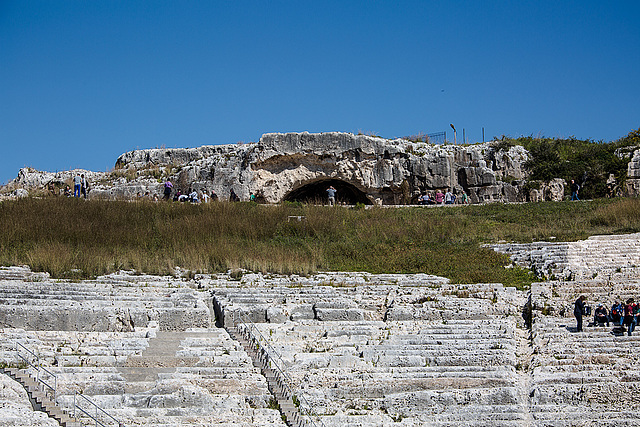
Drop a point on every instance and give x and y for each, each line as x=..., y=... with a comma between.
x=268, y=348
x=38, y=366
x=97, y=408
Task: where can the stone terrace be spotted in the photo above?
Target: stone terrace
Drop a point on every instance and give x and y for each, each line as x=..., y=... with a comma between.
x=584, y=259
x=358, y=349
x=380, y=354
x=583, y=378
x=143, y=348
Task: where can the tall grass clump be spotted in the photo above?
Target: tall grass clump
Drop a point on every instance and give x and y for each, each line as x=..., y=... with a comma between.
x=72, y=238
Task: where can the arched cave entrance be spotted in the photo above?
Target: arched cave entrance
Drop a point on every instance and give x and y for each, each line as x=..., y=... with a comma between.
x=316, y=192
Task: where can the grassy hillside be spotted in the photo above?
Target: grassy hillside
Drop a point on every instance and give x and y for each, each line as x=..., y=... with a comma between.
x=76, y=238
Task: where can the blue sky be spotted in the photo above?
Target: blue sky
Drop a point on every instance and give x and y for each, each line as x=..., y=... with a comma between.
x=83, y=81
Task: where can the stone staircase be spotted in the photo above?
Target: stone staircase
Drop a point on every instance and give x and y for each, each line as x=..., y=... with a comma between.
x=194, y=377
x=277, y=386
x=40, y=400
x=588, y=378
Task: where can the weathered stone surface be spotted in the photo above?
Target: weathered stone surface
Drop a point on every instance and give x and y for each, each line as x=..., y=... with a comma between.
x=300, y=166
x=548, y=191
x=357, y=348
x=15, y=409
x=633, y=175
x=597, y=255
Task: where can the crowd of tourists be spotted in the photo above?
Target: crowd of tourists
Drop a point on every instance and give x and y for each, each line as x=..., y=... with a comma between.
x=624, y=316
x=440, y=198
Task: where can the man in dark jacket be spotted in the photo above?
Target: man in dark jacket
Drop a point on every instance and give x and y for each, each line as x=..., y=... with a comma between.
x=578, y=311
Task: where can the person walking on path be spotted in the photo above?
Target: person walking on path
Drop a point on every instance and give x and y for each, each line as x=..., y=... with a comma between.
x=574, y=190
x=331, y=193
x=578, y=311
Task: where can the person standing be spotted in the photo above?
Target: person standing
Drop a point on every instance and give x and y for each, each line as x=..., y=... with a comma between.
x=574, y=190
x=77, y=184
x=84, y=186
x=629, y=317
x=331, y=193
x=448, y=197
x=168, y=186
x=465, y=198
x=578, y=311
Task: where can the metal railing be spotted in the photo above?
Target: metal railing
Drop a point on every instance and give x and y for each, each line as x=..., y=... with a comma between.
x=48, y=388
x=52, y=388
x=95, y=408
x=270, y=357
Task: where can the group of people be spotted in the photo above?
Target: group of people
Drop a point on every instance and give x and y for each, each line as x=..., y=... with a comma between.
x=440, y=198
x=80, y=187
x=624, y=316
x=194, y=196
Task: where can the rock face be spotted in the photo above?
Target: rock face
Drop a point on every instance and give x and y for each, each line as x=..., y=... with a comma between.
x=300, y=167
x=550, y=191
x=633, y=175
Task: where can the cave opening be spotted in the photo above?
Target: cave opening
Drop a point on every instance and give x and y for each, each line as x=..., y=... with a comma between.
x=316, y=193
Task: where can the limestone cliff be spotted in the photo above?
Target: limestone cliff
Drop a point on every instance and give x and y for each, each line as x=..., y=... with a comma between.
x=300, y=166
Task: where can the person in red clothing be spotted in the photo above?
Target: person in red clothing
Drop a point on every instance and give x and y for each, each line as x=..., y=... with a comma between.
x=439, y=197
x=630, y=309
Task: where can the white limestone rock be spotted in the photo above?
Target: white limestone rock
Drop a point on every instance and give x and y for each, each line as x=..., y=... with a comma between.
x=15, y=409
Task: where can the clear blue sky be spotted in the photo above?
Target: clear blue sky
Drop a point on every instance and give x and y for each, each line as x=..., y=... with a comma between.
x=83, y=81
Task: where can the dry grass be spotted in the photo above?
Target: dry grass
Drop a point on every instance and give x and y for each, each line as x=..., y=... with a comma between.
x=76, y=238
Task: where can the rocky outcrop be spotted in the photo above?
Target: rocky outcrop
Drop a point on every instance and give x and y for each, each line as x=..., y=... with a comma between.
x=300, y=166
x=633, y=175
x=548, y=191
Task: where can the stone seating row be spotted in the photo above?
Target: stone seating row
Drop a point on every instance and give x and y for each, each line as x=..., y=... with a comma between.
x=577, y=378
x=92, y=306
x=339, y=366
x=604, y=255
x=382, y=302
x=207, y=379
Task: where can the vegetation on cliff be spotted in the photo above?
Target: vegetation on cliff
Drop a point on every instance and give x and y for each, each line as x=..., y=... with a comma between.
x=587, y=162
x=75, y=238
